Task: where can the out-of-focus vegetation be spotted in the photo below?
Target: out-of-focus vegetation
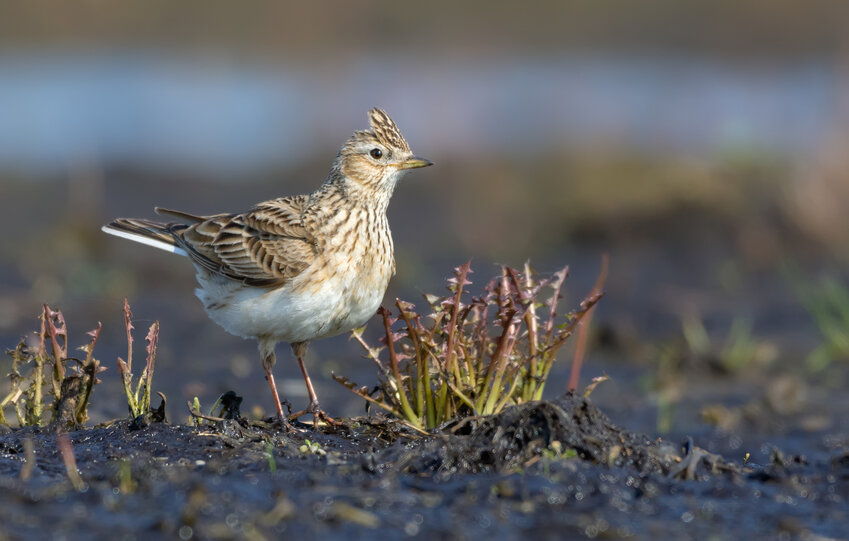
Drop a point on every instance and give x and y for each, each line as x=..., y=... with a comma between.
x=739, y=350
x=828, y=304
x=778, y=28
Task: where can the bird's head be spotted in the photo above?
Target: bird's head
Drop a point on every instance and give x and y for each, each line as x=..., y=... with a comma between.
x=375, y=159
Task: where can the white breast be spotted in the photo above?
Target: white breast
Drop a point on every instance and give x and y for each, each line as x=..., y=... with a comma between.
x=298, y=311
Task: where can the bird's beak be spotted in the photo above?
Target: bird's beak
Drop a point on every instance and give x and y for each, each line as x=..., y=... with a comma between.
x=414, y=163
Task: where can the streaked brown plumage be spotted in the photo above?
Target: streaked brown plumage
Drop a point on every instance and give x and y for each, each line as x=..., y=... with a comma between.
x=298, y=268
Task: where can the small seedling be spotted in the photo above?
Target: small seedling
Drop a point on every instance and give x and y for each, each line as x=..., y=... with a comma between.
x=312, y=448
x=470, y=356
x=555, y=452
x=226, y=407
x=126, y=483
x=194, y=410
x=269, y=453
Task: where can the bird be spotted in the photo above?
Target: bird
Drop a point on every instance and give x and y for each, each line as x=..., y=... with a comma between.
x=299, y=268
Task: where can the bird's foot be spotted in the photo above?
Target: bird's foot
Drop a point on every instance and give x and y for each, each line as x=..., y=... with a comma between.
x=282, y=423
x=318, y=414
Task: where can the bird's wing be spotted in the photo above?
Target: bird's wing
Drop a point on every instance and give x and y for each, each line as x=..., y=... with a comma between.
x=265, y=247
x=185, y=215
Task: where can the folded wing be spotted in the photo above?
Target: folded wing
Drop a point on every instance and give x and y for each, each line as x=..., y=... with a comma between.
x=265, y=247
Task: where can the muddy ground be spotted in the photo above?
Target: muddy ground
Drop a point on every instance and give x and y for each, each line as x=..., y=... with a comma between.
x=545, y=470
x=770, y=435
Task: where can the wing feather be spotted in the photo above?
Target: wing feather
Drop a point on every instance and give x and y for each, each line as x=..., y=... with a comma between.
x=267, y=246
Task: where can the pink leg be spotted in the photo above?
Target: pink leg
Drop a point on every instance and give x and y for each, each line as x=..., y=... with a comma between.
x=299, y=349
x=268, y=359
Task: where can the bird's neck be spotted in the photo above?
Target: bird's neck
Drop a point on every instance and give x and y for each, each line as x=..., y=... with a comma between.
x=346, y=219
x=372, y=197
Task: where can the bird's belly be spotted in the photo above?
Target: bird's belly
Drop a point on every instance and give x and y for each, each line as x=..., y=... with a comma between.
x=297, y=312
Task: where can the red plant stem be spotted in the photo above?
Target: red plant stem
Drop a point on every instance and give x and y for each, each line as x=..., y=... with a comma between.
x=422, y=393
x=490, y=367
x=503, y=352
x=128, y=323
x=393, y=362
x=411, y=333
x=531, y=321
x=59, y=353
x=526, y=297
x=390, y=345
x=95, y=334
x=42, y=347
x=461, y=274
x=146, y=378
x=481, y=331
x=495, y=369
x=560, y=277
x=583, y=331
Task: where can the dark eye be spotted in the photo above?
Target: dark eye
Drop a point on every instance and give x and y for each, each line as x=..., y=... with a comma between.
x=376, y=153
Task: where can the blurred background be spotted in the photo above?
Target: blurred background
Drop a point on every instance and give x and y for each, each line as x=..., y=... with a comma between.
x=702, y=144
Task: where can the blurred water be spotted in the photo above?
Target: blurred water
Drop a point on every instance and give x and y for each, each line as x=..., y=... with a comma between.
x=153, y=110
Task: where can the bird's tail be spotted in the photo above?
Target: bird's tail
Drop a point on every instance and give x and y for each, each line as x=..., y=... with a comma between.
x=156, y=234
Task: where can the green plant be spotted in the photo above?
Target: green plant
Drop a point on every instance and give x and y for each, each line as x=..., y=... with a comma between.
x=138, y=400
x=554, y=453
x=126, y=483
x=312, y=448
x=475, y=356
x=70, y=386
x=269, y=455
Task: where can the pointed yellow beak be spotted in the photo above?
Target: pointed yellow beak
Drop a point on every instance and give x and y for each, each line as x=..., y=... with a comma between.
x=414, y=163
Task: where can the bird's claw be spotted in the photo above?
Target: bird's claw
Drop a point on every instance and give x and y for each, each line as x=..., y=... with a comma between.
x=315, y=409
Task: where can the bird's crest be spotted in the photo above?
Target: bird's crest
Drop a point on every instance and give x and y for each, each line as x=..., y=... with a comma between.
x=385, y=129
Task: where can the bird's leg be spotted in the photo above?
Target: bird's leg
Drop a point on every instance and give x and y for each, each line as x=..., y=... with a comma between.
x=300, y=349
x=266, y=351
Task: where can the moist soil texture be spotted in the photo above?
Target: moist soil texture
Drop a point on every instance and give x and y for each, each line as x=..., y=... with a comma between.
x=542, y=470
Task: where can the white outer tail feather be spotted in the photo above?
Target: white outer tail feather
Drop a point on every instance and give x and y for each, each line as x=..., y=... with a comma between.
x=144, y=240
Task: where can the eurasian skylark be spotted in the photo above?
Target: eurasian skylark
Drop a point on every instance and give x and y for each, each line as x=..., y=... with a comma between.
x=298, y=268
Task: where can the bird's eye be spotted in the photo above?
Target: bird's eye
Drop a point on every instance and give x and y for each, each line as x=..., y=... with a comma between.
x=376, y=153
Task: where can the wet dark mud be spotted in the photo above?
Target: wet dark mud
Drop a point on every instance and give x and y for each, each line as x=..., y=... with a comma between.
x=544, y=470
